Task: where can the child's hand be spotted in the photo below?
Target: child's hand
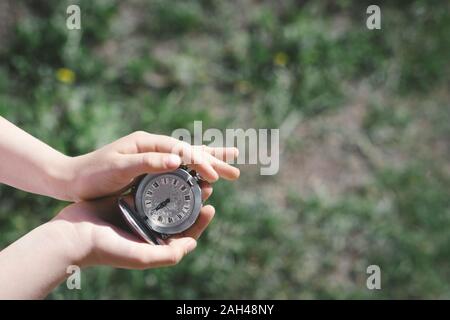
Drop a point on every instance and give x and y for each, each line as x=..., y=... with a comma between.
x=31, y=165
x=97, y=237
x=111, y=169
x=86, y=234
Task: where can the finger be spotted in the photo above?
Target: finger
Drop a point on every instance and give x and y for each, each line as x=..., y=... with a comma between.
x=203, y=220
x=147, y=142
x=209, y=167
x=125, y=250
x=194, y=156
x=223, y=169
x=196, y=159
x=171, y=254
x=141, y=141
x=133, y=165
x=195, y=231
x=227, y=154
x=207, y=190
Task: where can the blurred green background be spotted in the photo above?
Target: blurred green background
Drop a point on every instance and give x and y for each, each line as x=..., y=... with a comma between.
x=365, y=171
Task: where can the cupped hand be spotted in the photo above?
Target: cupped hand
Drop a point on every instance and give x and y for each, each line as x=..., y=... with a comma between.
x=97, y=235
x=111, y=169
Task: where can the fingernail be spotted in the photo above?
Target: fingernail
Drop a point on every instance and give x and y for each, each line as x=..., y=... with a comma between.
x=173, y=160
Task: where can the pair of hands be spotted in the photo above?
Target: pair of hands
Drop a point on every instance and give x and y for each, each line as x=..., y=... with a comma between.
x=92, y=231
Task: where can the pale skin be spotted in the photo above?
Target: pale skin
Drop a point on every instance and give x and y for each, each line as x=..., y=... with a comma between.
x=88, y=233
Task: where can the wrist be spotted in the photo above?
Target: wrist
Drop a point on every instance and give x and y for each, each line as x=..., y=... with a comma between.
x=71, y=244
x=67, y=245
x=39, y=260
x=61, y=175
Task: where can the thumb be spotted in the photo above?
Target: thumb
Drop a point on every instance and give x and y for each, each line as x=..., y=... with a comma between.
x=133, y=165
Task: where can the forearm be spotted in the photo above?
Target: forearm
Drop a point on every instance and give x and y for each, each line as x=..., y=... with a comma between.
x=35, y=264
x=29, y=164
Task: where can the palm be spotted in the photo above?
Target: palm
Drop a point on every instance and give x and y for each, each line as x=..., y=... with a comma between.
x=102, y=230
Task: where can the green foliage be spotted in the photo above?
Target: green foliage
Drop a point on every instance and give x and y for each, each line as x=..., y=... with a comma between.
x=155, y=66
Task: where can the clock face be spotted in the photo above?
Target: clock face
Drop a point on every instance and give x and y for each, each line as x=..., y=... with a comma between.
x=168, y=203
x=167, y=200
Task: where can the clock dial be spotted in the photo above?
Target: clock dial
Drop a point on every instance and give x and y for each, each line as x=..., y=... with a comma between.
x=168, y=203
x=167, y=200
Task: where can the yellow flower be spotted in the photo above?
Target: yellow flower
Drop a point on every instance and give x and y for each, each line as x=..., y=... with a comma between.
x=65, y=75
x=280, y=59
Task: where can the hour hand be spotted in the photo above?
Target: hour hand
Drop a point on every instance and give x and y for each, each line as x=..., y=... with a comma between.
x=162, y=204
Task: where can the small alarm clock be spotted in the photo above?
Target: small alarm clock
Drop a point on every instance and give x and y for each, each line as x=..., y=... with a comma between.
x=165, y=204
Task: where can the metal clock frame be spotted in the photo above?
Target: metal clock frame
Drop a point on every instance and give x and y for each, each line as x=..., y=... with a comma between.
x=146, y=229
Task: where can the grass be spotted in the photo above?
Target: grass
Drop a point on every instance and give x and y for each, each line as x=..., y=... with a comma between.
x=375, y=98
